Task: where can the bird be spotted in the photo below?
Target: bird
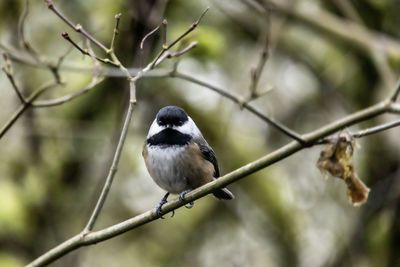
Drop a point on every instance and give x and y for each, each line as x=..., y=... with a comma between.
x=177, y=156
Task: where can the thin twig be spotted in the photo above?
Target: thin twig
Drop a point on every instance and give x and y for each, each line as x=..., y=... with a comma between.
x=180, y=37
x=191, y=28
x=8, y=71
x=104, y=71
x=279, y=126
x=24, y=107
x=116, y=31
x=256, y=72
x=86, y=239
x=61, y=100
x=114, y=165
x=176, y=54
x=164, y=33
x=112, y=171
x=66, y=36
x=183, y=51
x=30, y=49
x=376, y=129
x=30, y=101
x=396, y=93
x=363, y=133
x=76, y=27
x=148, y=35
x=21, y=35
x=59, y=63
x=132, y=102
x=21, y=23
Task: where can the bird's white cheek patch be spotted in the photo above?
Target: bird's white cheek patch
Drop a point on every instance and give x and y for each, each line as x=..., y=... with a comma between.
x=154, y=129
x=189, y=128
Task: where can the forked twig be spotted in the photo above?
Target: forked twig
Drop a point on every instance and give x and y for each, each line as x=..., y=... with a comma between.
x=66, y=36
x=24, y=107
x=8, y=71
x=76, y=27
x=180, y=37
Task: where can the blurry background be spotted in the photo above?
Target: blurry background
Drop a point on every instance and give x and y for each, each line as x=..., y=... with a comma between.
x=54, y=161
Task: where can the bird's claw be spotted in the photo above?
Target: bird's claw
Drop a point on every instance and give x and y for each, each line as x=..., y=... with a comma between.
x=182, y=198
x=158, y=209
x=162, y=203
x=191, y=204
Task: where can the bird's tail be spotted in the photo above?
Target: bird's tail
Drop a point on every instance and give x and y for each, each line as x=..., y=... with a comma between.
x=223, y=193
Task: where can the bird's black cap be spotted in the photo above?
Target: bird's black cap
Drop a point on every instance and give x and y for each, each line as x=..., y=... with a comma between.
x=171, y=115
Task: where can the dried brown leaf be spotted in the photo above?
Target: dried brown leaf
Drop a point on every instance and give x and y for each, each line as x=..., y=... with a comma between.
x=336, y=158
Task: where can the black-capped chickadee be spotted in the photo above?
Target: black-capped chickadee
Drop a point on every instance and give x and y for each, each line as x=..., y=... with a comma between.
x=178, y=157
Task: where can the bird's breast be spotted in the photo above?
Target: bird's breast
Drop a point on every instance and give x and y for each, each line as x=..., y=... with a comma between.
x=177, y=168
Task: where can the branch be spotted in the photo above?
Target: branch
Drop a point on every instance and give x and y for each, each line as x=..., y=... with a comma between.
x=148, y=35
x=31, y=51
x=116, y=30
x=396, y=93
x=77, y=27
x=167, y=47
x=176, y=54
x=376, y=129
x=164, y=33
x=21, y=35
x=256, y=72
x=8, y=71
x=285, y=130
x=61, y=100
x=30, y=101
x=117, y=154
x=183, y=51
x=85, y=239
x=24, y=107
x=66, y=36
x=115, y=62
x=112, y=171
x=191, y=28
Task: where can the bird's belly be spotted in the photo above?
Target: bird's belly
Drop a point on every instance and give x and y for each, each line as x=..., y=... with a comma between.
x=167, y=166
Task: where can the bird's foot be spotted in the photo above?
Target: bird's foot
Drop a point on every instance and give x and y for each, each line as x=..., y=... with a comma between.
x=162, y=203
x=182, y=198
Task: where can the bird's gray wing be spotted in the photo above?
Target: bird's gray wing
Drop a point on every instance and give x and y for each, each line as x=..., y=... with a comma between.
x=208, y=154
